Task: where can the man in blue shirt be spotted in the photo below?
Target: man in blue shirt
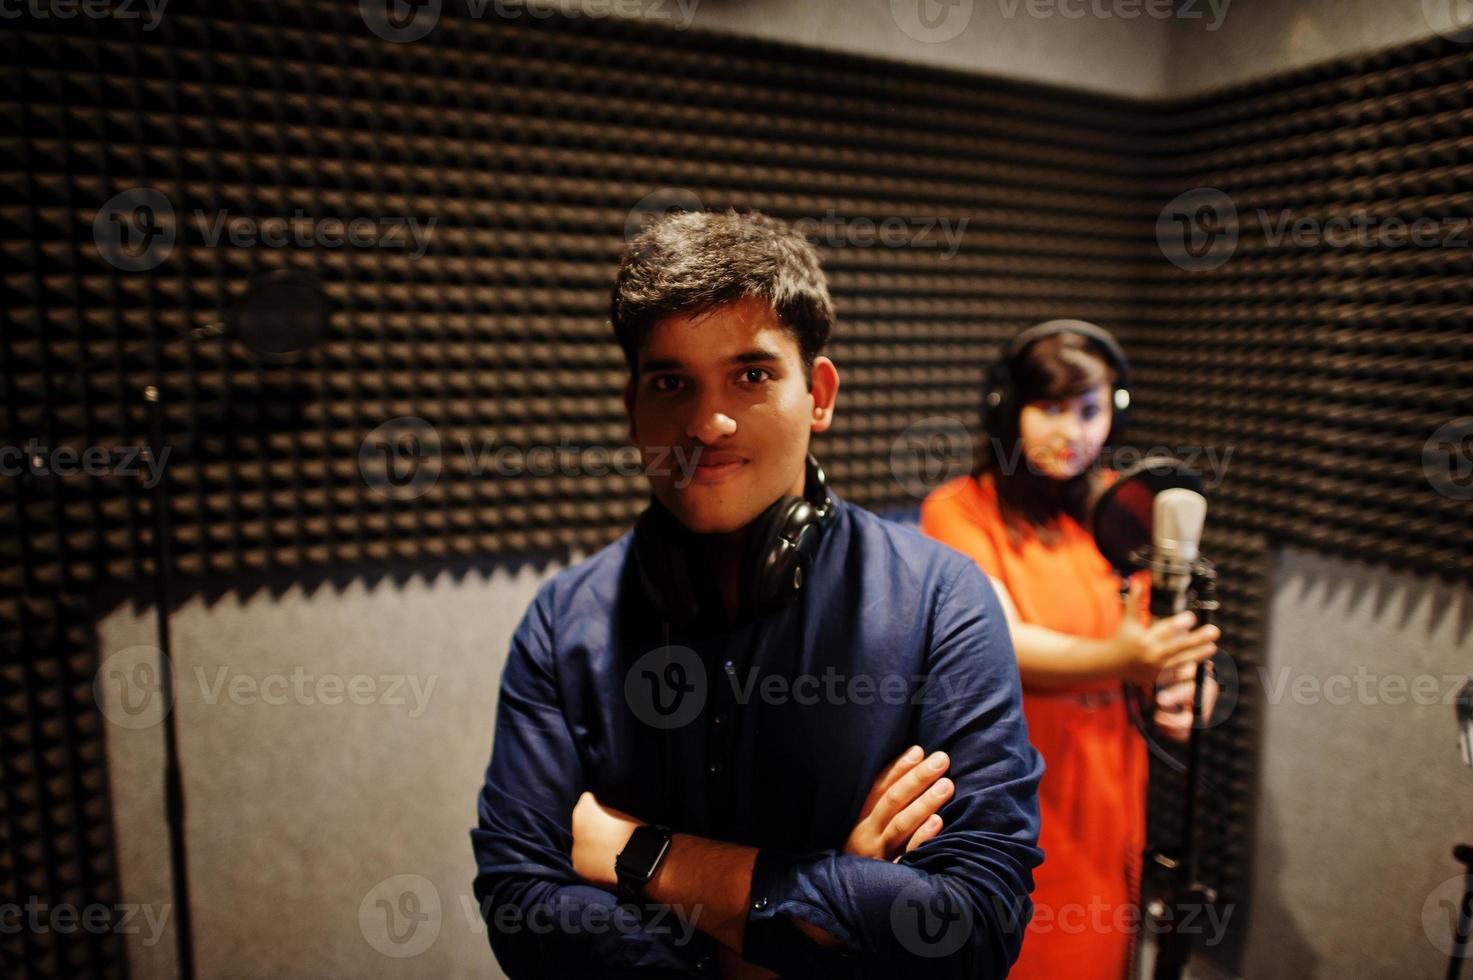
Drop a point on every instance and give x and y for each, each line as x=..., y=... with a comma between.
x=729, y=702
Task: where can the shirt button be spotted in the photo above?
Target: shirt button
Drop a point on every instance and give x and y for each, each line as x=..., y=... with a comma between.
x=703, y=964
x=714, y=768
x=729, y=667
x=719, y=719
x=760, y=904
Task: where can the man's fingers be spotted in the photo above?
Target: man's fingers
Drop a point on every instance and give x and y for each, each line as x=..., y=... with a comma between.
x=908, y=787
x=903, y=763
x=930, y=828
x=909, y=820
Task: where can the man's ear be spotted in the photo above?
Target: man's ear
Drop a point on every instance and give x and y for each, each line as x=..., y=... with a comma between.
x=825, y=391
x=629, y=409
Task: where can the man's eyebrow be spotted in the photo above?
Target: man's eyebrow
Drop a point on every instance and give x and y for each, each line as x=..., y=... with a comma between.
x=756, y=355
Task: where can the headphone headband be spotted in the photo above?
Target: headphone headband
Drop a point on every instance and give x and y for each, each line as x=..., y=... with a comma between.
x=1000, y=380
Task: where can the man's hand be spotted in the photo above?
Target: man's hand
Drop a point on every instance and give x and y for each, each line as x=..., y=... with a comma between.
x=1174, y=703
x=599, y=834
x=900, y=812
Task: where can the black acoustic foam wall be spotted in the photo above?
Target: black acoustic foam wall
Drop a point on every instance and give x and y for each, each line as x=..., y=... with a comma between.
x=529, y=142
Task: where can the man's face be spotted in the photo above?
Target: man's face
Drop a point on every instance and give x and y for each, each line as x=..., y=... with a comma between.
x=721, y=413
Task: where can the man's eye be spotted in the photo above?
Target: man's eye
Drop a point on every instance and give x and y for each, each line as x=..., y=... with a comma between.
x=762, y=374
x=1090, y=413
x=665, y=382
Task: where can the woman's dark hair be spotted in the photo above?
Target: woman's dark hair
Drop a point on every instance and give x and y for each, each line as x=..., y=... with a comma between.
x=691, y=261
x=1055, y=368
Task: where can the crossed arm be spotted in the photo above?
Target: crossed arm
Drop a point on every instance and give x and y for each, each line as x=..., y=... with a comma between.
x=899, y=814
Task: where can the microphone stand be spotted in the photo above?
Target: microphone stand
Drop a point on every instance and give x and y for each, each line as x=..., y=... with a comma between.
x=1173, y=870
x=281, y=315
x=1463, y=853
x=173, y=777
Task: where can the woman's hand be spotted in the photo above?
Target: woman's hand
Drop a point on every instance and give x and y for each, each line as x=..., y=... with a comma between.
x=1173, y=716
x=1152, y=655
x=900, y=812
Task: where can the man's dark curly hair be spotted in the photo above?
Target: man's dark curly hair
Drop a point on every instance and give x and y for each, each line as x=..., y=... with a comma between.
x=692, y=261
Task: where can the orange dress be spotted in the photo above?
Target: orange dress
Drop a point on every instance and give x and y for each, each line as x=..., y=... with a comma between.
x=1092, y=796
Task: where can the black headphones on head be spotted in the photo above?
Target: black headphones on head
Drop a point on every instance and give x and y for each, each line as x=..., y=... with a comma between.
x=779, y=550
x=999, y=390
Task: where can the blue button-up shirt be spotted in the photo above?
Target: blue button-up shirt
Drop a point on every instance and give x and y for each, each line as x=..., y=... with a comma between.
x=769, y=734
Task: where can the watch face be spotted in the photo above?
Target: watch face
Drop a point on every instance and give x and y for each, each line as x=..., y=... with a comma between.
x=646, y=846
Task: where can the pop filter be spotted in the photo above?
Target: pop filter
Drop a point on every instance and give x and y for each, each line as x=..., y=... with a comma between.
x=1125, y=514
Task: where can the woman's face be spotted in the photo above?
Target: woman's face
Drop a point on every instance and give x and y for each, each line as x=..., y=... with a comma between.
x=1062, y=438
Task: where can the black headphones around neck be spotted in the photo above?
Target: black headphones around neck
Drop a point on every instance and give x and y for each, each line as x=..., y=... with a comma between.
x=779, y=550
x=999, y=390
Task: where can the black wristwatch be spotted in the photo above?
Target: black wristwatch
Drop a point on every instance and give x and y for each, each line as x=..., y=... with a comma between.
x=640, y=859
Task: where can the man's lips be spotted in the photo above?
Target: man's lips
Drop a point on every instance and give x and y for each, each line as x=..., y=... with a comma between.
x=714, y=466
x=710, y=457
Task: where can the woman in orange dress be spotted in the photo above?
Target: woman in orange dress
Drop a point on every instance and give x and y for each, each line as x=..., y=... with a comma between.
x=1023, y=516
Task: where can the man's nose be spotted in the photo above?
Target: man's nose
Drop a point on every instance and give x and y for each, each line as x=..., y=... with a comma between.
x=710, y=425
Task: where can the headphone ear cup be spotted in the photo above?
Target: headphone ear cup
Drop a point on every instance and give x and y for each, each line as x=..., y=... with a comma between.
x=995, y=396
